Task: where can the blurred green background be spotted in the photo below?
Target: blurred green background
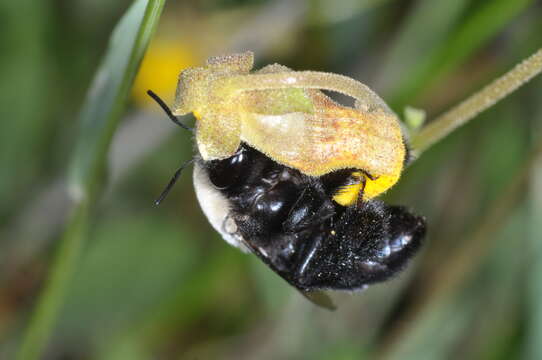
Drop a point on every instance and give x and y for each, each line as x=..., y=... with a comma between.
x=158, y=283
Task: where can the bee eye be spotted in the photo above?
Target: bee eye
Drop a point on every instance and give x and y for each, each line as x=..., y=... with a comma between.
x=226, y=173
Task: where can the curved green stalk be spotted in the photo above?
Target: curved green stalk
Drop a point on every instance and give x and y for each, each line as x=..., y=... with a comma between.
x=475, y=104
x=101, y=112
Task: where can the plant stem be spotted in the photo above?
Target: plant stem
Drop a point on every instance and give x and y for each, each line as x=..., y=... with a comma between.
x=101, y=113
x=52, y=297
x=475, y=104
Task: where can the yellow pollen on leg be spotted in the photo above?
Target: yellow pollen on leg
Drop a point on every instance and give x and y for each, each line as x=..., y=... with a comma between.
x=349, y=194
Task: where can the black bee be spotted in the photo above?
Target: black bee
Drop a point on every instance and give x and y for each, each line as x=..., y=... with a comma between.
x=292, y=223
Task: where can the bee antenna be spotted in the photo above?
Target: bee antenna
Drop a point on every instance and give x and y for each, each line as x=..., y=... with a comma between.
x=172, y=182
x=167, y=110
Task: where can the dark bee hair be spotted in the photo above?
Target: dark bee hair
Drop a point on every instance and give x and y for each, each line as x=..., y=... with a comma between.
x=291, y=223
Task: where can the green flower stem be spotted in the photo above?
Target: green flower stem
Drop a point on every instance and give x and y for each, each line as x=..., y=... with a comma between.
x=485, y=98
x=99, y=117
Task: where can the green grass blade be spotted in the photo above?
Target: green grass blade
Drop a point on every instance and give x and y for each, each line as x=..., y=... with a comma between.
x=477, y=30
x=101, y=112
x=51, y=299
x=413, y=42
x=109, y=93
x=534, y=271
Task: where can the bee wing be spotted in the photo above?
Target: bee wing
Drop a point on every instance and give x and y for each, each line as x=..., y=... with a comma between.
x=317, y=297
x=320, y=298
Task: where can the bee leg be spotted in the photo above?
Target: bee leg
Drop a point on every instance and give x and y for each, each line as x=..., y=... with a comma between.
x=363, y=181
x=369, y=176
x=365, y=175
x=311, y=208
